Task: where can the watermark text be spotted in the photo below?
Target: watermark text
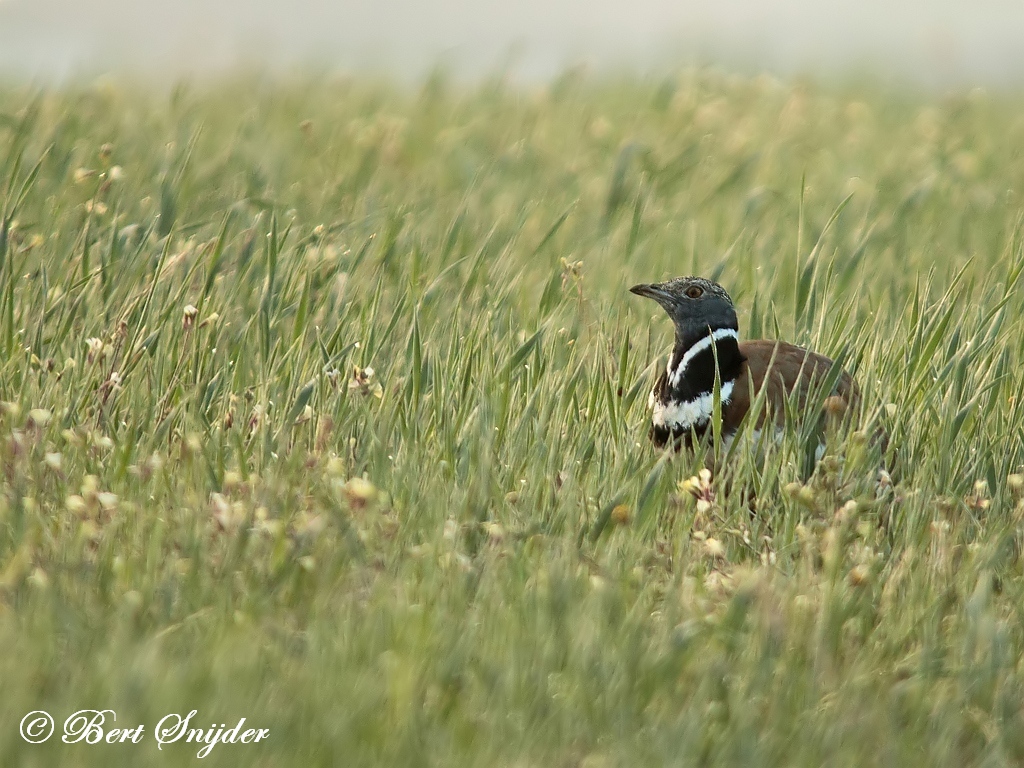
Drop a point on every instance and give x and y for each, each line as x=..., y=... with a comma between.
x=96, y=726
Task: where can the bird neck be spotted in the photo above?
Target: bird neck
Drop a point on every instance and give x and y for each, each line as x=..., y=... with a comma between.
x=691, y=369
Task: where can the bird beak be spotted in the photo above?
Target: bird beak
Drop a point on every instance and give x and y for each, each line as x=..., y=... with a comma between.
x=652, y=291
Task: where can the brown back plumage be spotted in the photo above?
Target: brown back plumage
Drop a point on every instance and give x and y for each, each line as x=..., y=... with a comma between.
x=794, y=369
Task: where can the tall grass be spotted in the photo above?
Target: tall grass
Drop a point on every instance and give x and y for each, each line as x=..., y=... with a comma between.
x=324, y=405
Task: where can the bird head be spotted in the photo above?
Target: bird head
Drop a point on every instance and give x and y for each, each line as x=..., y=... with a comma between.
x=694, y=304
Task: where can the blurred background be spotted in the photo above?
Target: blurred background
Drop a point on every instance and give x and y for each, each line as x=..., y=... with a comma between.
x=935, y=43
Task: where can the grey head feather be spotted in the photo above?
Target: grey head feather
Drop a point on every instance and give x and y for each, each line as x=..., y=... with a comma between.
x=696, y=305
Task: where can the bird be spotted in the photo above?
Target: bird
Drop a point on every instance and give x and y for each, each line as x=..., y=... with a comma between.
x=706, y=333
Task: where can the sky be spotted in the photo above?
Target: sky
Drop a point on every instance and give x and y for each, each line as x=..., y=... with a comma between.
x=931, y=42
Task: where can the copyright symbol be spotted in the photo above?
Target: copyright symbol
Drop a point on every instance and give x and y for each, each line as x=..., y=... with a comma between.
x=36, y=727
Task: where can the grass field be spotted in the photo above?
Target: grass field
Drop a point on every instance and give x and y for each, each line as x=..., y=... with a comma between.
x=324, y=405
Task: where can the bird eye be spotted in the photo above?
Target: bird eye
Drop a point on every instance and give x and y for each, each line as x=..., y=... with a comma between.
x=694, y=292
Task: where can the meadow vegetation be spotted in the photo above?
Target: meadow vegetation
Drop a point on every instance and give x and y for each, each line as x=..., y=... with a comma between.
x=324, y=404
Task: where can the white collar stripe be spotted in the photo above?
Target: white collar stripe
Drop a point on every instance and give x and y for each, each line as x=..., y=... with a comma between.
x=675, y=376
x=690, y=413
